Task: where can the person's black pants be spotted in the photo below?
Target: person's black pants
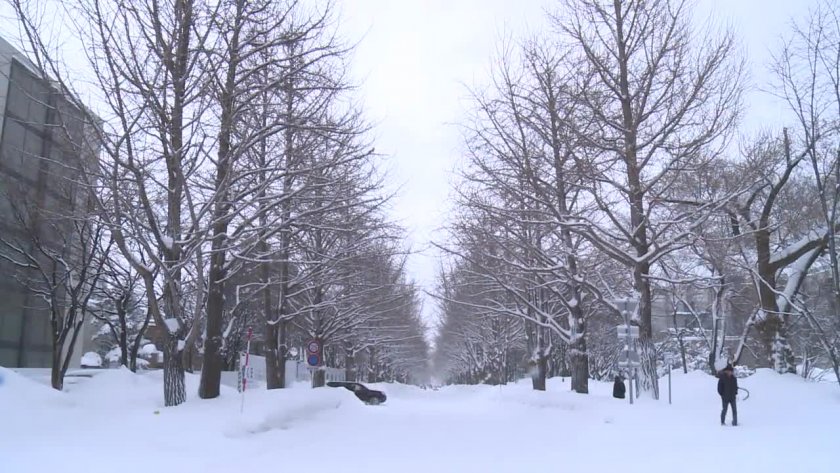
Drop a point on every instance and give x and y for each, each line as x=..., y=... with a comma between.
x=726, y=403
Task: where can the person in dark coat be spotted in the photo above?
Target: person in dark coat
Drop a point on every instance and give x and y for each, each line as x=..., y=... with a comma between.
x=728, y=390
x=618, y=388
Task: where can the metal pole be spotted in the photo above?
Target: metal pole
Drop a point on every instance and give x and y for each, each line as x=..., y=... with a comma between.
x=627, y=342
x=245, y=369
x=669, y=383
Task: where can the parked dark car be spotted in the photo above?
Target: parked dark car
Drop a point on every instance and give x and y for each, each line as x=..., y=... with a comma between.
x=366, y=395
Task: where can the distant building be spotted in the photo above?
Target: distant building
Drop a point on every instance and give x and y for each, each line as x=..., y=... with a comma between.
x=41, y=133
x=666, y=312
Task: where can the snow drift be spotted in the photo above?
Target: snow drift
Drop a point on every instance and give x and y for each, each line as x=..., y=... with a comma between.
x=115, y=420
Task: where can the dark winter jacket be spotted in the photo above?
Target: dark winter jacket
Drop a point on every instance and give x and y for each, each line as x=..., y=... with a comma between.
x=618, y=388
x=727, y=386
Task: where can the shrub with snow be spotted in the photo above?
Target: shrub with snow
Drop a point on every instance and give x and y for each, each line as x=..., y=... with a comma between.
x=743, y=371
x=91, y=360
x=696, y=347
x=149, y=350
x=114, y=355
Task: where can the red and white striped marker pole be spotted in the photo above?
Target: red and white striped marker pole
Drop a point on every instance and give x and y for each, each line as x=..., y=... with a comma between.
x=245, y=367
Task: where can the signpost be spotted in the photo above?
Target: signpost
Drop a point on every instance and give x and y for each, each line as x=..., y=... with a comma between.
x=628, y=334
x=625, y=331
x=669, y=383
x=669, y=360
x=314, y=353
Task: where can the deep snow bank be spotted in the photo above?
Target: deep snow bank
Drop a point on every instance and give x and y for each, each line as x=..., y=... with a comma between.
x=114, y=421
x=20, y=392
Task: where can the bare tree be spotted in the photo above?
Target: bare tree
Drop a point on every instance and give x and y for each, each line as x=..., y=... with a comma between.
x=59, y=260
x=703, y=278
x=475, y=342
x=247, y=72
x=524, y=187
x=807, y=79
x=777, y=240
x=386, y=339
x=299, y=87
x=656, y=103
x=119, y=305
x=144, y=57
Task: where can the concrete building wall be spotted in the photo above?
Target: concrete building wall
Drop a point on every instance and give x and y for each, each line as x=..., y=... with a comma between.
x=36, y=163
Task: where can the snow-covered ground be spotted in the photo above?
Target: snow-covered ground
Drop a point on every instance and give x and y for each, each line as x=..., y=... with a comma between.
x=114, y=422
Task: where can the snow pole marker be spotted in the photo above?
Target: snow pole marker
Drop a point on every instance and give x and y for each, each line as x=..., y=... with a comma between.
x=244, y=368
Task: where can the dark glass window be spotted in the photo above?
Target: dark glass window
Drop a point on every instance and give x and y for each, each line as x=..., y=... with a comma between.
x=33, y=140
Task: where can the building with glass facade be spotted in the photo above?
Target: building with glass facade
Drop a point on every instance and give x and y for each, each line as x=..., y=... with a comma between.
x=41, y=135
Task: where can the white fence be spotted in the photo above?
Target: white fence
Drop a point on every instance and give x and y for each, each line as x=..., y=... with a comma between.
x=296, y=372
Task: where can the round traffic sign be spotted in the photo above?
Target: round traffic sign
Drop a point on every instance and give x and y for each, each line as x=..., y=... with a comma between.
x=313, y=346
x=313, y=360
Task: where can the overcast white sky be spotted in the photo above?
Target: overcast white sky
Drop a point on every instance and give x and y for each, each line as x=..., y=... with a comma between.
x=415, y=58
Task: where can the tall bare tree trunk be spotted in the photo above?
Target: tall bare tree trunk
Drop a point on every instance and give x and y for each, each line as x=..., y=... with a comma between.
x=319, y=377
x=371, y=374
x=539, y=358
x=277, y=325
x=580, y=367
x=774, y=350
x=138, y=339
x=211, y=373
x=56, y=377
x=350, y=365
x=174, y=384
x=540, y=370
x=273, y=375
x=123, y=338
x=638, y=221
x=282, y=350
x=213, y=364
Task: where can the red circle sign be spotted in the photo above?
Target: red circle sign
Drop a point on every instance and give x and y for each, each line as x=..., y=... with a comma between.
x=313, y=347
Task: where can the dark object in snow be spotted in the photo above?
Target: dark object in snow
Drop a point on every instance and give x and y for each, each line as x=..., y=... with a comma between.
x=368, y=396
x=728, y=389
x=727, y=384
x=746, y=391
x=619, y=388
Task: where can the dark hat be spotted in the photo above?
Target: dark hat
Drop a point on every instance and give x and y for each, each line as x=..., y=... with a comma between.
x=729, y=368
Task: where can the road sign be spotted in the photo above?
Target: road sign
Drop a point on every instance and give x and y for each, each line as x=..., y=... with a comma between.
x=625, y=331
x=631, y=356
x=314, y=354
x=626, y=305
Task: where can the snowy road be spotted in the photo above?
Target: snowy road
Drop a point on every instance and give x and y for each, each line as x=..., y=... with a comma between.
x=109, y=424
